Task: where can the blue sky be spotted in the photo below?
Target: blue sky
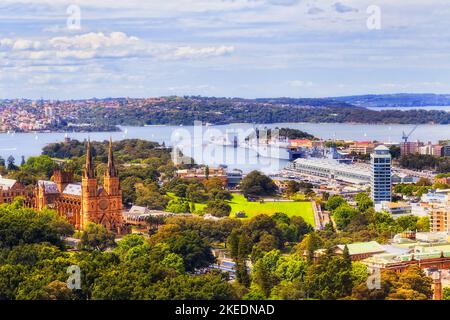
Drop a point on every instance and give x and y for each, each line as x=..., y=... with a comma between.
x=245, y=48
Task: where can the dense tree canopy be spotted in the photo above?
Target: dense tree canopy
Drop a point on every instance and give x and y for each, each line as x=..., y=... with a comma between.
x=425, y=162
x=186, y=110
x=172, y=261
x=218, y=208
x=257, y=184
x=20, y=225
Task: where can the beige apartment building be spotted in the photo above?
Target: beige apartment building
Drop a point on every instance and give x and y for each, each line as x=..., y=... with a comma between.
x=362, y=147
x=439, y=217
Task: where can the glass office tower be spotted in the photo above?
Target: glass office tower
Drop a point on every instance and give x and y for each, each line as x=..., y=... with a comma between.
x=381, y=180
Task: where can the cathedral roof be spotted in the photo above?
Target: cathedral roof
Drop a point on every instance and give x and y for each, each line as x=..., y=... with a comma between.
x=138, y=210
x=49, y=186
x=6, y=184
x=73, y=189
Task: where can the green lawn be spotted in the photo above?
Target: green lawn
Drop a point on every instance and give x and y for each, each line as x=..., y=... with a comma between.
x=251, y=209
x=302, y=209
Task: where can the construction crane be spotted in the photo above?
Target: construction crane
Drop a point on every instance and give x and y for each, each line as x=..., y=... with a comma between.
x=405, y=136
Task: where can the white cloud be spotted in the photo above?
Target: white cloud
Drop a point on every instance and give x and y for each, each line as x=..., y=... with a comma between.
x=6, y=43
x=206, y=52
x=23, y=44
x=180, y=41
x=92, y=45
x=93, y=41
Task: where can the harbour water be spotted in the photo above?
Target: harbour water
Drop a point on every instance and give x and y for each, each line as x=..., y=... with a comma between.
x=193, y=141
x=428, y=108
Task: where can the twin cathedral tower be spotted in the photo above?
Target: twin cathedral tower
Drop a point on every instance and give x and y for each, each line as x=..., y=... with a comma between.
x=86, y=202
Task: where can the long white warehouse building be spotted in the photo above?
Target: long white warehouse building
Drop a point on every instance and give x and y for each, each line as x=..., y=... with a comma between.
x=331, y=169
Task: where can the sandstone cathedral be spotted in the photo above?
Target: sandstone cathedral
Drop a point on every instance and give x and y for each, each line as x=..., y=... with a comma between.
x=85, y=202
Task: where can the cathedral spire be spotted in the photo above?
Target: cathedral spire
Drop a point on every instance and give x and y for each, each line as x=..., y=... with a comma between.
x=89, y=167
x=111, y=167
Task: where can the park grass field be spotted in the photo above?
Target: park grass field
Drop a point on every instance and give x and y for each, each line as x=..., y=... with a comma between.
x=251, y=209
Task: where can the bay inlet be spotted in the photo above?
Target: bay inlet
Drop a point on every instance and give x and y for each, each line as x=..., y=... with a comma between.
x=31, y=144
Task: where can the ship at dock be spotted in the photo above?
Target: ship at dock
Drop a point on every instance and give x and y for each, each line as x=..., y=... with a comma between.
x=275, y=149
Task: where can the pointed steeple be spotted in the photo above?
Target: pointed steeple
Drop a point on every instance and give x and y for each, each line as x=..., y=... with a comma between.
x=111, y=172
x=89, y=166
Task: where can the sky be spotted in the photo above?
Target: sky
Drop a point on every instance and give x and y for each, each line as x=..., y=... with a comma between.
x=59, y=49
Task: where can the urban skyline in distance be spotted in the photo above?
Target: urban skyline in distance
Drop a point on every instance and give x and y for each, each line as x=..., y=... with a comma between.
x=250, y=49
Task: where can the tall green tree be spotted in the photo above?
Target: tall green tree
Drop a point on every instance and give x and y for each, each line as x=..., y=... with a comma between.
x=96, y=237
x=363, y=201
x=264, y=274
x=344, y=215
x=20, y=225
x=334, y=202
x=218, y=208
x=330, y=278
x=11, y=163
x=257, y=184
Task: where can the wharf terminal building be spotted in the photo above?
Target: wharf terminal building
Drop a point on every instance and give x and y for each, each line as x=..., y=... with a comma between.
x=378, y=175
x=356, y=174
x=332, y=169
